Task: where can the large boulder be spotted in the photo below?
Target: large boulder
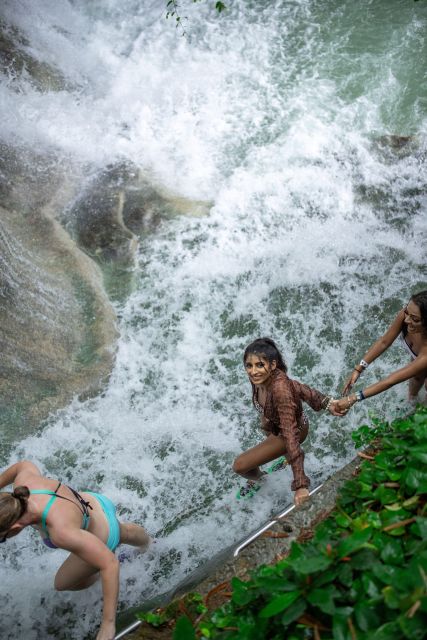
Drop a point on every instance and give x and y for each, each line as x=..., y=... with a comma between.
x=57, y=327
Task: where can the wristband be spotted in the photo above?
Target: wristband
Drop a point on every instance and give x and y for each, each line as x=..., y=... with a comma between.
x=364, y=364
x=360, y=396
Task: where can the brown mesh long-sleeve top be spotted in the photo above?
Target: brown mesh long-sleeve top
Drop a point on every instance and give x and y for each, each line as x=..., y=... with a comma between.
x=283, y=416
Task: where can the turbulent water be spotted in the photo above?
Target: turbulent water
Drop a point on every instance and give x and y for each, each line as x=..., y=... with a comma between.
x=304, y=123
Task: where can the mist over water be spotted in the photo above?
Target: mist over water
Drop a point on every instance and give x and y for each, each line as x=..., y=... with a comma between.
x=282, y=115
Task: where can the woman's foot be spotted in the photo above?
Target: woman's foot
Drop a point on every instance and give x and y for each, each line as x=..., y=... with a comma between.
x=278, y=465
x=248, y=490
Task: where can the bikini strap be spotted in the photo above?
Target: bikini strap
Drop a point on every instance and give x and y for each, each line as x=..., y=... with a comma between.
x=45, y=512
x=81, y=504
x=85, y=505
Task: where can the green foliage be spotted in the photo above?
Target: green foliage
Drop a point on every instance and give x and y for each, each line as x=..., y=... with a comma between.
x=364, y=573
x=173, y=10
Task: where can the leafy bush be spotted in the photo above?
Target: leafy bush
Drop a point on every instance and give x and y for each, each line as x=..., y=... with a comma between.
x=364, y=573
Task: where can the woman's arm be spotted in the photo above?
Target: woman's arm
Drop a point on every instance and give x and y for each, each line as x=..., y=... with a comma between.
x=381, y=345
x=286, y=406
x=10, y=474
x=412, y=369
x=96, y=554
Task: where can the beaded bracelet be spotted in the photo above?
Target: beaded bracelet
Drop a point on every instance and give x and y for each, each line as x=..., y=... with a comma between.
x=331, y=400
x=325, y=402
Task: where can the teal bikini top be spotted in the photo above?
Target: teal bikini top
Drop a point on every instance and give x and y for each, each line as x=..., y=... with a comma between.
x=81, y=504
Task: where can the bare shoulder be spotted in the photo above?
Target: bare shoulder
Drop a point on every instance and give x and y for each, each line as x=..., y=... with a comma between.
x=25, y=471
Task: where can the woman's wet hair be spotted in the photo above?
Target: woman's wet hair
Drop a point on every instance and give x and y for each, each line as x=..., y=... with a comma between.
x=267, y=349
x=12, y=506
x=420, y=299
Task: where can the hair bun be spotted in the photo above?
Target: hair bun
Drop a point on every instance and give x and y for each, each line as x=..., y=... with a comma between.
x=21, y=493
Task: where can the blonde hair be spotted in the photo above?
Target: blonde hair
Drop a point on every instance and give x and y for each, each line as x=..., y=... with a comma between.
x=12, y=506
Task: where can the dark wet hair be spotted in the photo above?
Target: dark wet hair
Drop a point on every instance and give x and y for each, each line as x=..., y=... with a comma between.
x=420, y=299
x=266, y=348
x=12, y=506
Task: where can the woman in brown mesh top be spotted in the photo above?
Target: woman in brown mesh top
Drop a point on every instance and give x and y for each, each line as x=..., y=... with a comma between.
x=279, y=401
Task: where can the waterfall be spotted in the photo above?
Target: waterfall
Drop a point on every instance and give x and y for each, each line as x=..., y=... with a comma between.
x=264, y=175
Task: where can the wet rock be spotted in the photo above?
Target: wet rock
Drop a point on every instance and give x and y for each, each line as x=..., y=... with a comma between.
x=394, y=146
x=57, y=327
x=118, y=206
x=16, y=60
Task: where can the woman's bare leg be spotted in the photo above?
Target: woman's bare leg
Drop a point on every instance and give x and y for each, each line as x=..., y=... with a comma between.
x=135, y=535
x=75, y=574
x=247, y=464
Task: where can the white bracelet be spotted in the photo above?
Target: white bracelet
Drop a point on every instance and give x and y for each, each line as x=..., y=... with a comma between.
x=331, y=400
x=364, y=364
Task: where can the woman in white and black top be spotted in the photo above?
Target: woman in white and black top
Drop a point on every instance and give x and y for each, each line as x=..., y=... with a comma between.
x=410, y=326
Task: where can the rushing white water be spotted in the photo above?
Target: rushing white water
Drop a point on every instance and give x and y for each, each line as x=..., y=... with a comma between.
x=276, y=112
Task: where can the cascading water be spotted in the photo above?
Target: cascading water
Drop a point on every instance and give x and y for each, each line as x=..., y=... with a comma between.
x=303, y=123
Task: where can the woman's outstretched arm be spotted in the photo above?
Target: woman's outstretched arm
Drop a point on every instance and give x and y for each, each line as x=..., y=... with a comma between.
x=381, y=345
x=414, y=368
x=96, y=554
x=10, y=474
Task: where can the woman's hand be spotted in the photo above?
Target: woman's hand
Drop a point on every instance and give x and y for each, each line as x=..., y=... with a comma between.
x=301, y=496
x=107, y=631
x=335, y=410
x=344, y=404
x=351, y=381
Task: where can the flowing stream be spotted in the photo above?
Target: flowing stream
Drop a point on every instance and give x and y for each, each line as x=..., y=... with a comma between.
x=303, y=123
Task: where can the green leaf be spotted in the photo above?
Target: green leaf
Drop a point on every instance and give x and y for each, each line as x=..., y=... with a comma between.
x=385, y=495
x=278, y=604
x=369, y=585
x=353, y=542
x=342, y=521
x=242, y=592
x=391, y=598
x=392, y=552
x=345, y=574
x=363, y=559
x=340, y=629
x=184, y=630
x=388, y=631
x=420, y=528
x=311, y=564
x=416, y=479
x=294, y=611
x=414, y=628
x=419, y=452
x=323, y=599
x=155, y=619
x=383, y=572
x=366, y=617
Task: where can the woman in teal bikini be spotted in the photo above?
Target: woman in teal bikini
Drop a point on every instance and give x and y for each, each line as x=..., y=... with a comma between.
x=410, y=326
x=83, y=523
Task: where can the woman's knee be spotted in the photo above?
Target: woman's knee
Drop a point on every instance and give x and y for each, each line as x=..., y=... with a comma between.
x=239, y=465
x=58, y=584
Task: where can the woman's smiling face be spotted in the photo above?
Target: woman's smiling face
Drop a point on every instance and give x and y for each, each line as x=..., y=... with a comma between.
x=259, y=369
x=413, y=318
